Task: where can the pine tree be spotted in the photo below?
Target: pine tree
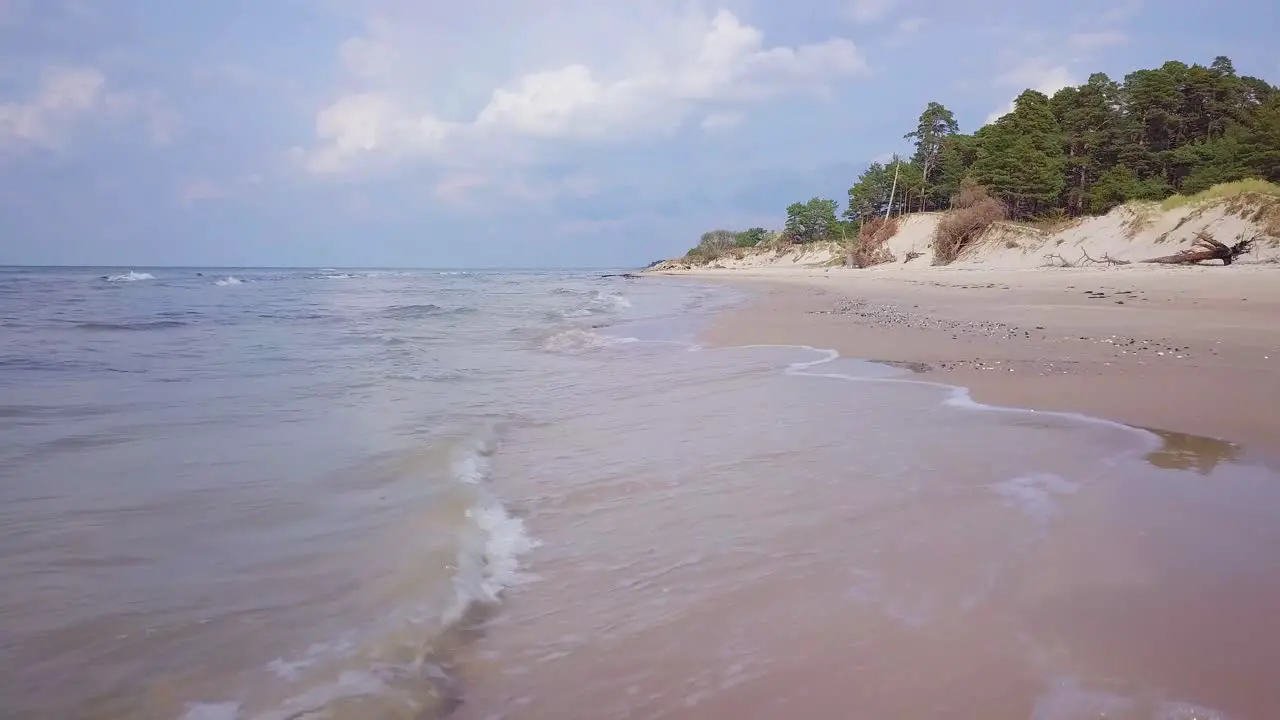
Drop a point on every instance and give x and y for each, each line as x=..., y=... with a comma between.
x=936, y=124
x=869, y=196
x=1020, y=157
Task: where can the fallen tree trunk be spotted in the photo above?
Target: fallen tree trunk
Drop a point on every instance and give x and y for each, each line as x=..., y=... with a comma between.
x=1206, y=248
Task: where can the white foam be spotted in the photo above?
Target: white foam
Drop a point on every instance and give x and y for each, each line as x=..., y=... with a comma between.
x=229, y=280
x=1067, y=699
x=1034, y=493
x=131, y=276
x=958, y=397
x=1179, y=710
x=310, y=703
x=578, y=340
x=488, y=557
x=594, y=302
x=470, y=462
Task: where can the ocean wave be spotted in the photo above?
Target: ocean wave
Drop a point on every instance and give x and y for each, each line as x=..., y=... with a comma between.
x=410, y=312
x=130, y=276
x=131, y=326
x=578, y=340
x=331, y=275
x=592, y=302
x=428, y=375
x=229, y=280
x=375, y=676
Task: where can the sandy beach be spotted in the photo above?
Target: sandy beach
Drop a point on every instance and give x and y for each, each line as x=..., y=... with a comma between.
x=1182, y=350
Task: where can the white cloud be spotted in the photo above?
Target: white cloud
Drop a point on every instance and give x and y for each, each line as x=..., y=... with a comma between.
x=1097, y=40
x=692, y=61
x=66, y=96
x=868, y=11
x=1038, y=74
x=44, y=119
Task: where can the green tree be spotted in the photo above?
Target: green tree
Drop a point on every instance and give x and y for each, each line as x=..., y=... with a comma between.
x=912, y=191
x=1260, y=143
x=1020, y=158
x=869, y=196
x=1092, y=128
x=1113, y=187
x=959, y=152
x=813, y=220
x=933, y=128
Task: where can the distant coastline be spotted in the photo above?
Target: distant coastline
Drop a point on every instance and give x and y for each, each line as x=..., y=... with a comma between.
x=1190, y=144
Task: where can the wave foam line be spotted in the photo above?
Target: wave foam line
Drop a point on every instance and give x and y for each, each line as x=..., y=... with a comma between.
x=959, y=396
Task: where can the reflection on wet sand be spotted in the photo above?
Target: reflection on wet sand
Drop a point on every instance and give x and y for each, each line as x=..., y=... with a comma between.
x=1181, y=451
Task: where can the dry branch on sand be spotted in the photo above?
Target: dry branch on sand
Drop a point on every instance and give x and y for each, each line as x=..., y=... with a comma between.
x=1056, y=260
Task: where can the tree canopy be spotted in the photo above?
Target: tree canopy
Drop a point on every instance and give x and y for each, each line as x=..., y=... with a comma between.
x=813, y=220
x=1173, y=129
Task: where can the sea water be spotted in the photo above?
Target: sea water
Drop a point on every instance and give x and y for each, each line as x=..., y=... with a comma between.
x=253, y=493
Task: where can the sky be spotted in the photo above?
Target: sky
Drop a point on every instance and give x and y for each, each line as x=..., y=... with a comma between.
x=508, y=133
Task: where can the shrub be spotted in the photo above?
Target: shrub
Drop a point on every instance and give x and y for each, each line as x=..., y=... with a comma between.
x=751, y=238
x=974, y=211
x=869, y=249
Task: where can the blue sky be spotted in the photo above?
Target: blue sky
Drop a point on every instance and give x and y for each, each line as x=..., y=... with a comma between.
x=507, y=132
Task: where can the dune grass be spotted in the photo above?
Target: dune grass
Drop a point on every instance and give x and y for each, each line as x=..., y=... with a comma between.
x=1220, y=191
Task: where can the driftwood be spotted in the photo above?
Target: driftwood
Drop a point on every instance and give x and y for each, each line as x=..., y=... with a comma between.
x=1056, y=260
x=1204, y=248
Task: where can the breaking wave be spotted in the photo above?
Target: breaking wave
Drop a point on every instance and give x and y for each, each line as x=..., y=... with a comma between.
x=578, y=340
x=130, y=276
x=588, y=303
x=399, y=667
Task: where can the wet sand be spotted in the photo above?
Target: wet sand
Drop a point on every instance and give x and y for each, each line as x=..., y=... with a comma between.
x=1187, y=350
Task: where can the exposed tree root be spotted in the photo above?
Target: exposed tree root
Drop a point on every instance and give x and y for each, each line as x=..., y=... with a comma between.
x=1205, y=247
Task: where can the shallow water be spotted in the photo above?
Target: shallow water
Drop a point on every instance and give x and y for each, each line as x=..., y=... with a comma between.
x=361, y=494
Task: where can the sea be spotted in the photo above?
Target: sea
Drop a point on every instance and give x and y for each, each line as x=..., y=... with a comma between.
x=295, y=494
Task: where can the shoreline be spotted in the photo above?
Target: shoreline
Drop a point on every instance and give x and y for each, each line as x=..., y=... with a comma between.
x=1192, y=354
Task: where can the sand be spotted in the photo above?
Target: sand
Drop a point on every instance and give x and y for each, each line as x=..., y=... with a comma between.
x=1186, y=350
